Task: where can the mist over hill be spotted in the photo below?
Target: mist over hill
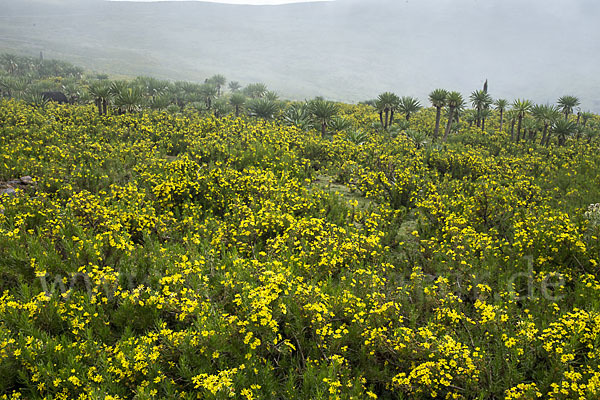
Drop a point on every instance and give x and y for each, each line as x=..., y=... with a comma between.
x=347, y=50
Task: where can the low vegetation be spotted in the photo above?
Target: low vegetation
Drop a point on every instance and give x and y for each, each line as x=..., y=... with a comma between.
x=178, y=240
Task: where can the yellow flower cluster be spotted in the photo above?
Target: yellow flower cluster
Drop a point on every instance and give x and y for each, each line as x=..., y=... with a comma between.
x=184, y=256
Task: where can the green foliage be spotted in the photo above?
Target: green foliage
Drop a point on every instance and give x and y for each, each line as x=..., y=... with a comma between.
x=234, y=86
x=455, y=102
x=438, y=97
x=298, y=114
x=357, y=136
x=408, y=106
x=190, y=254
x=501, y=104
x=418, y=138
x=322, y=112
x=386, y=104
x=480, y=100
x=263, y=108
x=152, y=87
x=35, y=100
x=171, y=108
x=563, y=129
x=339, y=124
x=567, y=103
x=255, y=90
x=128, y=99
x=237, y=101
x=217, y=81
x=221, y=108
x=161, y=102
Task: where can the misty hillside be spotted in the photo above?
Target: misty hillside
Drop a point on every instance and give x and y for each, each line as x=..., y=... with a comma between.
x=345, y=50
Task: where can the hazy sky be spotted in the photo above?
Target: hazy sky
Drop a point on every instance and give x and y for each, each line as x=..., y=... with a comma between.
x=252, y=2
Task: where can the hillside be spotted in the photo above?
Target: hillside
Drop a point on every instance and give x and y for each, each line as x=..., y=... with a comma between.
x=346, y=50
x=310, y=250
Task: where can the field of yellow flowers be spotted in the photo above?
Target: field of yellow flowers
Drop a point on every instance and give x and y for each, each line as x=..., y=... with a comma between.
x=163, y=255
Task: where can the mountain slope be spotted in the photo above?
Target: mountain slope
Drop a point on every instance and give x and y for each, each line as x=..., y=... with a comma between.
x=347, y=50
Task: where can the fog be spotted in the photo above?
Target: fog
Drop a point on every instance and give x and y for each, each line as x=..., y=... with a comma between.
x=347, y=50
x=247, y=2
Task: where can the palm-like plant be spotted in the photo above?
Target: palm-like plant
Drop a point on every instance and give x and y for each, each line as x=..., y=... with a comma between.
x=152, y=87
x=3, y=79
x=537, y=112
x=585, y=117
x=195, y=105
x=255, y=90
x=408, y=105
x=567, y=103
x=339, y=124
x=35, y=100
x=394, y=130
x=263, y=108
x=386, y=104
x=188, y=89
x=531, y=126
x=438, y=100
x=116, y=87
x=270, y=95
x=501, y=105
x=483, y=115
x=10, y=63
x=237, y=100
x=161, y=102
x=511, y=116
x=470, y=117
x=188, y=92
x=458, y=112
x=221, y=108
x=72, y=90
x=590, y=133
x=43, y=86
x=358, y=137
x=218, y=81
x=173, y=109
x=454, y=100
x=562, y=129
x=129, y=99
x=481, y=100
x=522, y=107
x=6, y=86
x=418, y=138
x=208, y=92
x=101, y=93
x=546, y=115
x=322, y=112
x=15, y=87
x=298, y=114
x=234, y=86
x=178, y=94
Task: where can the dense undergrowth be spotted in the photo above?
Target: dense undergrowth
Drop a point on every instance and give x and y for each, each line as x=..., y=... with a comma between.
x=173, y=255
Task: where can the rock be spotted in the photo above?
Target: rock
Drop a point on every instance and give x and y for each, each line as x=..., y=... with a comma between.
x=8, y=191
x=59, y=97
x=14, y=182
x=26, y=180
